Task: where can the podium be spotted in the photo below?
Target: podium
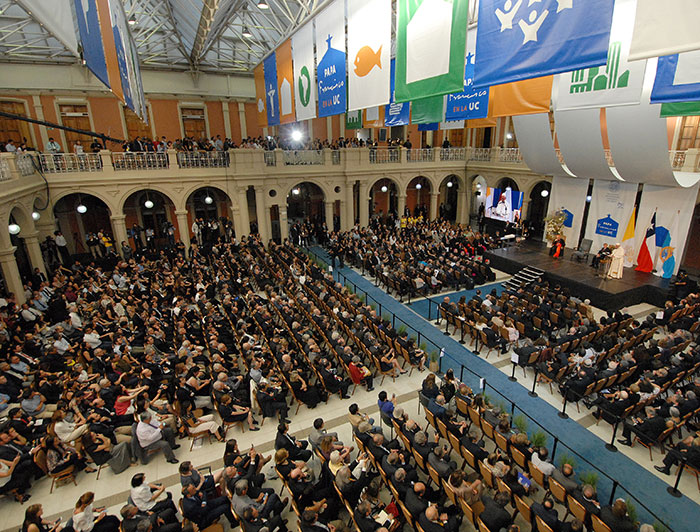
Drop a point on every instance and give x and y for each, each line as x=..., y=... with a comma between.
x=604, y=266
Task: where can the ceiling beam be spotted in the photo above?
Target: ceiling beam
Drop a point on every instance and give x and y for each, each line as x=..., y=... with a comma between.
x=206, y=20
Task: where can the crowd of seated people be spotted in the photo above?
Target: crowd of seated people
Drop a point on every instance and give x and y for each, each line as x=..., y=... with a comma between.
x=422, y=258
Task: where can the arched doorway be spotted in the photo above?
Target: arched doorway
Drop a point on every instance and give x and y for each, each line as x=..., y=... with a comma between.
x=17, y=223
x=305, y=202
x=449, y=197
x=211, y=207
x=78, y=216
x=537, y=211
x=418, y=197
x=150, y=220
x=506, y=182
x=383, y=198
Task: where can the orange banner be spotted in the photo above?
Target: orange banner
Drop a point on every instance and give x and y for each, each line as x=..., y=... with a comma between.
x=115, y=80
x=285, y=82
x=259, y=77
x=525, y=97
x=480, y=122
x=378, y=122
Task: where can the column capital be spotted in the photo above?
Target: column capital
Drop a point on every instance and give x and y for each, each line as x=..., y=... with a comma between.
x=7, y=254
x=28, y=236
x=181, y=213
x=117, y=217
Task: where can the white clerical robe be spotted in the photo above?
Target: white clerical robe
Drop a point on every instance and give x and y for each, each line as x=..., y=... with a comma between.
x=617, y=263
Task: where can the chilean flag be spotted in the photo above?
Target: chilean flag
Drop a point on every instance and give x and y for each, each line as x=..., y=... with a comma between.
x=644, y=261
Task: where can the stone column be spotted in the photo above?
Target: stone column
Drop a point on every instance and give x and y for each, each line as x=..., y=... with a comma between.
x=227, y=118
x=284, y=224
x=401, y=205
x=241, y=121
x=241, y=214
x=364, y=204
x=263, y=214
x=183, y=227
x=433, y=205
x=119, y=231
x=329, y=214
x=13, y=282
x=526, y=209
x=463, y=207
x=31, y=242
x=348, y=215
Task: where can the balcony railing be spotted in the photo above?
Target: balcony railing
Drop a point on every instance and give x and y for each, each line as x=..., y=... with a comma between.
x=677, y=159
x=62, y=163
x=139, y=161
x=5, y=172
x=384, y=155
x=510, y=155
x=480, y=154
x=335, y=156
x=420, y=156
x=302, y=157
x=453, y=154
x=270, y=158
x=203, y=159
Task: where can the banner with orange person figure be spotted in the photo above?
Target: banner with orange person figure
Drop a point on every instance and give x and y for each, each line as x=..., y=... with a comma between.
x=369, y=49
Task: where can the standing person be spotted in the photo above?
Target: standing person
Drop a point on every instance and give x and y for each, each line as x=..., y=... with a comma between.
x=136, y=230
x=617, y=263
x=85, y=520
x=53, y=146
x=62, y=246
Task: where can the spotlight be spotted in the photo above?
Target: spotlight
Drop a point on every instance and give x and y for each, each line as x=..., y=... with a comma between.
x=296, y=191
x=14, y=229
x=262, y=4
x=246, y=32
x=588, y=199
x=208, y=200
x=36, y=216
x=148, y=204
x=82, y=209
x=418, y=186
x=296, y=135
x=132, y=20
x=544, y=193
x=449, y=184
x=509, y=136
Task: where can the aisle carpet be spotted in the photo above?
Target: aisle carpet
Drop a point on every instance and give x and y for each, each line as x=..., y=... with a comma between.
x=681, y=514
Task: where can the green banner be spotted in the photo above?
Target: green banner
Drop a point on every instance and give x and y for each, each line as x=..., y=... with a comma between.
x=680, y=109
x=428, y=110
x=431, y=40
x=353, y=119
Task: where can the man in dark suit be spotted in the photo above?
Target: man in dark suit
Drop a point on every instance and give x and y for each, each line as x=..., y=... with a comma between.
x=297, y=449
x=163, y=521
x=433, y=521
x=416, y=502
x=495, y=516
x=648, y=430
x=254, y=522
x=199, y=509
x=546, y=511
x=363, y=518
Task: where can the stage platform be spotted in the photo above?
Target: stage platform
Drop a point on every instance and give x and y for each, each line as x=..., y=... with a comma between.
x=582, y=280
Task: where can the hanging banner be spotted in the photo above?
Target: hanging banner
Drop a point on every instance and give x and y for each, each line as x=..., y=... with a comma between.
x=674, y=208
x=91, y=38
x=521, y=40
x=471, y=102
x=304, y=79
x=285, y=82
x=431, y=38
x=569, y=195
x=530, y=96
x=396, y=114
x=330, y=46
x=428, y=127
x=680, y=109
x=665, y=28
x=536, y=145
x=612, y=203
x=272, y=101
x=618, y=82
x=369, y=49
x=353, y=119
x=677, y=78
x=457, y=124
x=260, y=96
x=373, y=117
x=427, y=110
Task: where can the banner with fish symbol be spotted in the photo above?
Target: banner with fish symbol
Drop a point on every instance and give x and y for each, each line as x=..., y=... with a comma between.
x=470, y=103
x=304, y=78
x=285, y=82
x=369, y=49
x=396, y=114
x=431, y=43
x=330, y=47
x=260, y=96
x=271, y=96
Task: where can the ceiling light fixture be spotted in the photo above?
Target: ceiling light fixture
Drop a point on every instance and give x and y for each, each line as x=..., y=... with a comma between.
x=296, y=191
x=384, y=188
x=132, y=20
x=208, y=199
x=246, y=32
x=262, y=4
x=449, y=184
x=418, y=186
x=544, y=193
x=36, y=215
x=14, y=229
x=82, y=209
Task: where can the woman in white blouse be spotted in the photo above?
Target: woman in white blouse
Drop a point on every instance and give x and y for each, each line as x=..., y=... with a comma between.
x=89, y=519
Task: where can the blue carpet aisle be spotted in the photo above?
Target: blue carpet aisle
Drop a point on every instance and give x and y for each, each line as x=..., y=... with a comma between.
x=639, y=482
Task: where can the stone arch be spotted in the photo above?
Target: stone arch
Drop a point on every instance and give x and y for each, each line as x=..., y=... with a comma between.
x=198, y=186
x=534, y=183
x=291, y=184
x=507, y=181
x=178, y=202
x=392, y=178
x=22, y=217
x=55, y=198
x=75, y=226
x=222, y=205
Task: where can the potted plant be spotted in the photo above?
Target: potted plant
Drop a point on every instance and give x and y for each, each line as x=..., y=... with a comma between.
x=520, y=423
x=566, y=459
x=589, y=477
x=632, y=511
x=539, y=439
x=402, y=329
x=434, y=365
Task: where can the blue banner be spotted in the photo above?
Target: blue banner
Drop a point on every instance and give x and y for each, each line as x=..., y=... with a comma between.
x=396, y=114
x=271, y=97
x=569, y=218
x=331, y=81
x=470, y=103
x=666, y=90
x=607, y=227
x=91, y=39
x=521, y=39
x=429, y=127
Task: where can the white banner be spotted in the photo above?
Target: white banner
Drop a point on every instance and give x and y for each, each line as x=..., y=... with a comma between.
x=369, y=53
x=304, y=72
x=665, y=28
x=612, y=203
x=456, y=124
x=569, y=194
x=615, y=83
x=674, y=208
x=536, y=144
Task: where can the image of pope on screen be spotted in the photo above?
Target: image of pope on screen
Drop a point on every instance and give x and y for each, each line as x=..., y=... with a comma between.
x=503, y=205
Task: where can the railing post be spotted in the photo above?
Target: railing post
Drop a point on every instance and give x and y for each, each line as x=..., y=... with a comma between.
x=611, y=446
x=172, y=159
x=612, y=492
x=554, y=448
x=512, y=373
x=674, y=490
x=563, y=413
x=106, y=160
x=533, y=393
